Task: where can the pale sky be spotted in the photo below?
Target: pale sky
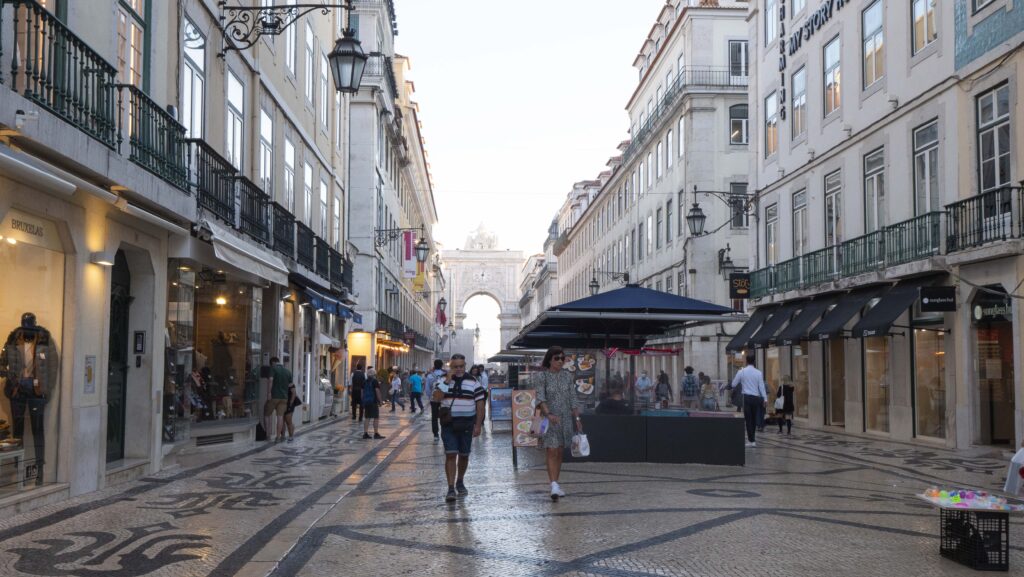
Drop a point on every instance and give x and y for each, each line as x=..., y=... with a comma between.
x=518, y=101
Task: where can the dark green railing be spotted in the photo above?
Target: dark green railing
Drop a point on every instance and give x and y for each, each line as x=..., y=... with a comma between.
x=254, y=219
x=213, y=179
x=787, y=275
x=323, y=260
x=981, y=219
x=284, y=231
x=913, y=239
x=821, y=266
x=304, y=245
x=56, y=69
x=762, y=282
x=337, y=266
x=863, y=254
x=157, y=140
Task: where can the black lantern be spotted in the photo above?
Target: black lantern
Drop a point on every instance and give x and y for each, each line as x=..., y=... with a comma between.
x=442, y=304
x=348, y=62
x=594, y=287
x=695, y=220
x=422, y=250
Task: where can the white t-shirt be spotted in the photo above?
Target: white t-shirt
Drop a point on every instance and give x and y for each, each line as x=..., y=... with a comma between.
x=396, y=384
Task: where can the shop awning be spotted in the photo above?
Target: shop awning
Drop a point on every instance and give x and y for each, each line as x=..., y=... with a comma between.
x=796, y=330
x=880, y=318
x=327, y=340
x=252, y=259
x=847, y=305
x=739, y=342
x=766, y=334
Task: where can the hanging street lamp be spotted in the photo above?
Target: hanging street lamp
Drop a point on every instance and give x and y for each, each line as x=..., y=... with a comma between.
x=348, y=61
x=695, y=220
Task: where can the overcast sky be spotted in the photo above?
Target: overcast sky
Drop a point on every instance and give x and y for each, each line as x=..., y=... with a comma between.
x=518, y=101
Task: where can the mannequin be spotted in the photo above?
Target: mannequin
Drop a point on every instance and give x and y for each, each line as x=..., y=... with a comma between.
x=28, y=364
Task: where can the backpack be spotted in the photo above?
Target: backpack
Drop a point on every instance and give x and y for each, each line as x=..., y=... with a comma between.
x=690, y=386
x=370, y=391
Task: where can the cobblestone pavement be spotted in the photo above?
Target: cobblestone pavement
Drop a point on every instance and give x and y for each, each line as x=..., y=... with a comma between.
x=333, y=504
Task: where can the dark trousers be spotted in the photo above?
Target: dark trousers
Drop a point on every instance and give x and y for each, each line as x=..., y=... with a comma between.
x=357, y=404
x=751, y=406
x=396, y=399
x=34, y=407
x=435, y=424
x=415, y=398
x=760, y=416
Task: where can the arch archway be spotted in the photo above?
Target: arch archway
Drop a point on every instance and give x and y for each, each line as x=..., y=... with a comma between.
x=485, y=270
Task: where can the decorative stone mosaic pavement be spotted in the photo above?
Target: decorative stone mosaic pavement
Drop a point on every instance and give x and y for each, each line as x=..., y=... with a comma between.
x=334, y=504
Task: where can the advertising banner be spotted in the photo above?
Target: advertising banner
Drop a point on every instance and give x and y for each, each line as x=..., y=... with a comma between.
x=523, y=403
x=408, y=254
x=501, y=404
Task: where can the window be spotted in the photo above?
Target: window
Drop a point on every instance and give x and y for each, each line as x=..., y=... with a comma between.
x=289, y=175
x=681, y=223
x=738, y=205
x=738, y=124
x=289, y=45
x=668, y=149
x=193, y=81
x=771, y=234
x=323, y=209
x=650, y=234
x=657, y=232
x=979, y=4
x=628, y=249
x=235, y=116
x=771, y=124
x=799, y=106
x=877, y=382
x=831, y=76
x=739, y=59
x=307, y=194
x=668, y=221
x=771, y=21
x=640, y=242
x=833, y=220
x=874, y=44
x=338, y=116
x=679, y=129
x=324, y=94
x=661, y=160
x=310, y=64
x=669, y=76
x=798, y=5
x=681, y=282
x=668, y=283
x=657, y=285
x=924, y=24
x=926, y=168
x=130, y=42
x=874, y=191
x=799, y=223
x=650, y=170
x=994, y=138
x=266, y=151
x=930, y=382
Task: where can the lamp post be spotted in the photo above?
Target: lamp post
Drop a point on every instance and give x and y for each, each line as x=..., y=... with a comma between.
x=594, y=286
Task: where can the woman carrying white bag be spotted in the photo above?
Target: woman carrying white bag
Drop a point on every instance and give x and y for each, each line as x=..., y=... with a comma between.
x=1015, y=476
x=556, y=401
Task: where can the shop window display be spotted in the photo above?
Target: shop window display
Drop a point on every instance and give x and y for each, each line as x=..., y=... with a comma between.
x=930, y=382
x=179, y=349
x=31, y=309
x=877, y=381
x=772, y=369
x=800, y=379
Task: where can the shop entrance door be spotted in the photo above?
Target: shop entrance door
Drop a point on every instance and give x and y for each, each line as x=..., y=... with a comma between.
x=117, y=365
x=835, y=382
x=995, y=381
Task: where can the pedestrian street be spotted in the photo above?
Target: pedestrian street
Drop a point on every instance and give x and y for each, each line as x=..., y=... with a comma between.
x=333, y=504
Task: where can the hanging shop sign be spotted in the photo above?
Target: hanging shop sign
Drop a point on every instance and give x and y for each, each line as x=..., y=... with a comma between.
x=938, y=299
x=990, y=307
x=739, y=285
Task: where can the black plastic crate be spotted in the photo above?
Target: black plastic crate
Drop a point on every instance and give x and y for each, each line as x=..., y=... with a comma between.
x=978, y=539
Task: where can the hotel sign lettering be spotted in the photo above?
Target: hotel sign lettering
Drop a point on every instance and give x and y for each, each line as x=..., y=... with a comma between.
x=816, y=21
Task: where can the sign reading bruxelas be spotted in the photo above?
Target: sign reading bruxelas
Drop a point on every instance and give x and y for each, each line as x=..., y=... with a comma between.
x=739, y=285
x=28, y=229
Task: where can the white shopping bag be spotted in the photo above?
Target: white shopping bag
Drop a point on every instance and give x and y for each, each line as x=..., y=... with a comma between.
x=580, y=446
x=1015, y=476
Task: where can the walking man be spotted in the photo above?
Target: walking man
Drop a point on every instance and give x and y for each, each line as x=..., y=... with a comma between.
x=415, y=391
x=396, y=391
x=277, y=405
x=372, y=399
x=355, y=391
x=755, y=396
x=433, y=378
x=463, y=395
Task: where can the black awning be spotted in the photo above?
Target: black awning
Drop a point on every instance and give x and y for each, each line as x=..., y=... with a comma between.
x=765, y=335
x=847, y=305
x=739, y=342
x=796, y=330
x=879, y=319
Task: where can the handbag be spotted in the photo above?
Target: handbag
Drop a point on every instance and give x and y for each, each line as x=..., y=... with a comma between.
x=539, y=425
x=580, y=445
x=444, y=414
x=737, y=396
x=780, y=403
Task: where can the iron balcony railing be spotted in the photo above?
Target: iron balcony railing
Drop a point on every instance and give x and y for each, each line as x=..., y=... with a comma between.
x=323, y=259
x=212, y=178
x=283, y=231
x=254, y=219
x=863, y=254
x=336, y=266
x=348, y=275
x=157, y=140
x=390, y=324
x=913, y=239
x=985, y=218
x=304, y=243
x=821, y=265
x=56, y=69
x=762, y=282
x=380, y=66
x=787, y=275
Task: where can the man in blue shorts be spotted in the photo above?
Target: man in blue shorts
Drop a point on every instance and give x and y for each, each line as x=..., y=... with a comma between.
x=463, y=397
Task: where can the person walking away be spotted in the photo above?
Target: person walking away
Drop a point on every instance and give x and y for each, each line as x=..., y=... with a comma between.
x=294, y=402
x=396, y=391
x=663, y=391
x=691, y=388
x=786, y=390
x=355, y=391
x=644, y=389
x=556, y=400
x=415, y=391
x=372, y=400
x=708, y=396
x=432, y=379
x=338, y=402
x=463, y=395
x=751, y=381
x=277, y=405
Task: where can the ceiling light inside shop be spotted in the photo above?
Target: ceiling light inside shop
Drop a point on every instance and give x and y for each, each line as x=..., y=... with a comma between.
x=221, y=301
x=11, y=240
x=184, y=268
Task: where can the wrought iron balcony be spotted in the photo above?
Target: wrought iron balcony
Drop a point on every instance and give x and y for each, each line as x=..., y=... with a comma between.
x=787, y=275
x=156, y=138
x=381, y=69
x=284, y=231
x=863, y=254
x=304, y=245
x=255, y=214
x=323, y=259
x=762, y=282
x=913, y=239
x=390, y=324
x=212, y=177
x=57, y=70
x=822, y=265
x=989, y=217
x=348, y=275
x=336, y=266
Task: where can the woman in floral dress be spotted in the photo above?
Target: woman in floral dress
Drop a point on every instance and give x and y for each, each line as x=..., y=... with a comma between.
x=556, y=400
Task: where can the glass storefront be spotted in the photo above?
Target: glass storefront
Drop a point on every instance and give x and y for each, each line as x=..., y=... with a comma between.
x=877, y=381
x=800, y=372
x=772, y=370
x=31, y=311
x=930, y=382
x=993, y=364
x=835, y=385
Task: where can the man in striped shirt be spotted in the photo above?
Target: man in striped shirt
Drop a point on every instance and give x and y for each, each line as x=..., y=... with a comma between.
x=464, y=396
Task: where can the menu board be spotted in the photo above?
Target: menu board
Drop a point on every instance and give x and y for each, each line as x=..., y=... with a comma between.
x=523, y=404
x=583, y=366
x=501, y=404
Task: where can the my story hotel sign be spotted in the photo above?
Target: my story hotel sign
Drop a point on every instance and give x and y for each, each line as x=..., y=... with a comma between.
x=814, y=22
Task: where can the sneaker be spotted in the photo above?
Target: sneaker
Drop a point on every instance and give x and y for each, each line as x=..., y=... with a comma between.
x=378, y=436
x=451, y=496
x=367, y=436
x=748, y=444
x=461, y=489
x=556, y=489
x=290, y=439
